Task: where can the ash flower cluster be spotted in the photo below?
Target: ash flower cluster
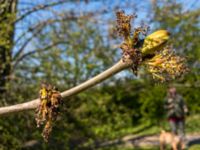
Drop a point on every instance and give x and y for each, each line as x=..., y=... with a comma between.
x=166, y=65
x=46, y=113
x=153, y=51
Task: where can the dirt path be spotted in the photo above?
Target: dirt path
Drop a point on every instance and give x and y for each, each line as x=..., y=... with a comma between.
x=146, y=140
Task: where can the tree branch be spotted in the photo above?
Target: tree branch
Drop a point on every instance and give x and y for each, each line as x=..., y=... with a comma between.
x=36, y=29
x=39, y=7
x=17, y=61
x=119, y=66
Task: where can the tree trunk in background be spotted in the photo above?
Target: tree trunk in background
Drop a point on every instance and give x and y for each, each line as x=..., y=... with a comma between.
x=8, y=9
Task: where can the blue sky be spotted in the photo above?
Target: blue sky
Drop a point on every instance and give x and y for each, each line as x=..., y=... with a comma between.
x=141, y=7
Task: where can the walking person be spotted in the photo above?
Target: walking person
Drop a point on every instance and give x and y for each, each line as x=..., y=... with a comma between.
x=176, y=111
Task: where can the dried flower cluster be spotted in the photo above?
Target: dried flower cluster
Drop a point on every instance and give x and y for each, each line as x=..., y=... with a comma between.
x=46, y=113
x=124, y=24
x=131, y=43
x=166, y=65
x=151, y=51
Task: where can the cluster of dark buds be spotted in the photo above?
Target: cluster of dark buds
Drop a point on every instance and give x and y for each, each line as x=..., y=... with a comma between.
x=151, y=51
x=131, y=44
x=48, y=109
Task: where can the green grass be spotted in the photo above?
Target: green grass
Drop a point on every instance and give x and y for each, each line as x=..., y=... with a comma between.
x=192, y=126
x=195, y=147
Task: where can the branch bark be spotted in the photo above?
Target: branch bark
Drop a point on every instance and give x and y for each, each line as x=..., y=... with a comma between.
x=118, y=67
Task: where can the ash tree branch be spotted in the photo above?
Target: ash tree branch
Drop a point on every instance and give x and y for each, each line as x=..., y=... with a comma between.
x=39, y=7
x=36, y=29
x=18, y=60
x=118, y=67
x=25, y=44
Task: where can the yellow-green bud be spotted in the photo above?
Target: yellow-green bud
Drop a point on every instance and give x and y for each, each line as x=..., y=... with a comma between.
x=155, y=42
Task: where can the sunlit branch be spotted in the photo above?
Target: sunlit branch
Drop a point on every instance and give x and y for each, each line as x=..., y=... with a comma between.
x=119, y=66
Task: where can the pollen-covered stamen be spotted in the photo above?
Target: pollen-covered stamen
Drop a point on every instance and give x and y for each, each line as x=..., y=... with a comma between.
x=46, y=113
x=166, y=65
x=47, y=130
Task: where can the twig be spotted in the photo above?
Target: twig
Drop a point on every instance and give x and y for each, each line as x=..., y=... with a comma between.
x=18, y=60
x=39, y=7
x=118, y=67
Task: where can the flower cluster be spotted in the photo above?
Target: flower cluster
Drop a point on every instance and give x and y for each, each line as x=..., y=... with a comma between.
x=50, y=100
x=152, y=51
x=131, y=40
x=124, y=24
x=166, y=65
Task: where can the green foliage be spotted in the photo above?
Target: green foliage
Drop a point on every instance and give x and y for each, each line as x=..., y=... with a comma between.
x=77, y=51
x=152, y=103
x=192, y=124
x=195, y=147
x=184, y=27
x=7, y=17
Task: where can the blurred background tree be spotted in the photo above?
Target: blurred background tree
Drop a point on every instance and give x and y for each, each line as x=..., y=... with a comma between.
x=7, y=18
x=65, y=43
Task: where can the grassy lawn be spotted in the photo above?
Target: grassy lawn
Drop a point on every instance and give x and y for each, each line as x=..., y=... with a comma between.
x=193, y=124
x=195, y=147
x=192, y=127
